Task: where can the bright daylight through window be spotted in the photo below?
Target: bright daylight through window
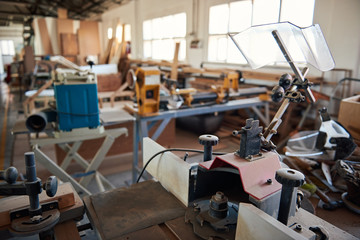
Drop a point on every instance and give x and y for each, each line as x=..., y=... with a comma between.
x=161, y=34
x=237, y=16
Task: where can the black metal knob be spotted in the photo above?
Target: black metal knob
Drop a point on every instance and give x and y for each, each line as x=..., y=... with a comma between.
x=285, y=81
x=50, y=186
x=9, y=175
x=277, y=93
x=290, y=179
x=208, y=141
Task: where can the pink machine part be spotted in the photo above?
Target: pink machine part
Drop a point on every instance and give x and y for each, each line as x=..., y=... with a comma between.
x=254, y=175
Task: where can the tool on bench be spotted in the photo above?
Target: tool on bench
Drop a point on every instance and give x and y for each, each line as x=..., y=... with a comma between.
x=36, y=219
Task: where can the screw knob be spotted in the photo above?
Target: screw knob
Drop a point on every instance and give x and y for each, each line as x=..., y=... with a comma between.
x=289, y=177
x=51, y=186
x=208, y=140
x=9, y=175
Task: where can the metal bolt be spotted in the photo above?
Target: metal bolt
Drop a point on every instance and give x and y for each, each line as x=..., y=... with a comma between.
x=219, y=196
x=298, y=227
x=269, y=181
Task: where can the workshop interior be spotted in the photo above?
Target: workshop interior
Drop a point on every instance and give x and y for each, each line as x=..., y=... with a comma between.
x=193, y=119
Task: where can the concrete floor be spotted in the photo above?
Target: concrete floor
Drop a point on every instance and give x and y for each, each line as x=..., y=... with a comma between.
x=14, y=147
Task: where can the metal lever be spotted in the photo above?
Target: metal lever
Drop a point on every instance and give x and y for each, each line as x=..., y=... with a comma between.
x=276, y=121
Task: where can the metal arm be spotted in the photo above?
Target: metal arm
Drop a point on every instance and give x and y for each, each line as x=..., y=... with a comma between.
x=300, y=76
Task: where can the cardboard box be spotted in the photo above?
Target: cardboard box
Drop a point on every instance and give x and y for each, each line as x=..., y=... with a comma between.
x=349, y=115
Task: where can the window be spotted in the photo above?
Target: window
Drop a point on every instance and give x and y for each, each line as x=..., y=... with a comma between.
x=7, y=47
x=239, y=15
x=119, y=31
x=161, y=34
x=109, y=33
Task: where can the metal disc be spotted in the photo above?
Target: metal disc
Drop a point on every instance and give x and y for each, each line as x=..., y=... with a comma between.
x=25, y=227
x=131, y=78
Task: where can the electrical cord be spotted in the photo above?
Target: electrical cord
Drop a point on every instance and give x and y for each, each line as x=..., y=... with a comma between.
x=172, y=150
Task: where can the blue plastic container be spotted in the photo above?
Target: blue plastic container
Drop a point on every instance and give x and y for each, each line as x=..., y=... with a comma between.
x=77, y=106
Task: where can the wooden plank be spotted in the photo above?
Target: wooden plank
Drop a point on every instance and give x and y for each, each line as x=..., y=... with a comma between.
x=64, y=26
x=29, y=59
x=142, y=205
x=174, y=67
x=62, y=13
x=150, y=233
x=66, y=230
x=89, y=42
x=105, y=56
x=69, y=44
x=64, y=195
x=45, y=38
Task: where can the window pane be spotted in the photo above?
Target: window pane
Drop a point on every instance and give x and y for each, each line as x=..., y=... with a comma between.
x=147, y=30
x=147, y=49
x=180, y=25
x=156, y=49
x=109, y=33
x=156, y=25
x=127, y=32
x=217, y=48
x=167, y=49
x=163, y=32
x=240, y=16
x=118, y=33
x=182, y=49
x=212, y=48
x=298, y=12
x=222, y=49
x=168, y=26
x=266, y=11
x=7, y=47
x=219, y=19
x=4, y=48
x=233, y=53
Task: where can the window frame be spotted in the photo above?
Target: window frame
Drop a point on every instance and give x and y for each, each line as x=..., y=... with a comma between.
x=209, y=35
x=10, y=50
x=151, y=40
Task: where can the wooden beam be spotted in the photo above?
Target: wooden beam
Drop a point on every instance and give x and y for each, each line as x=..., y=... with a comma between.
x=45, y=38
x=62, y=13
x=174, y=66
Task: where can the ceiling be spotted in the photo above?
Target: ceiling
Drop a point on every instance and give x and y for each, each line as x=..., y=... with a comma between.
x=19, y=11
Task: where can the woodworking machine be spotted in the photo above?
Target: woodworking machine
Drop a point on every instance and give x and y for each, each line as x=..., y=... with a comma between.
x=76, y=104
x=147, y=90
x=36, y=218
x=213, y=189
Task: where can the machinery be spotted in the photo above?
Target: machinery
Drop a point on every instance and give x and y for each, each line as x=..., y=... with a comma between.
x=253, y=174
x=152, y=95
x=35, y=219
x=76, y=102
x=76, y=99
x=147, y=88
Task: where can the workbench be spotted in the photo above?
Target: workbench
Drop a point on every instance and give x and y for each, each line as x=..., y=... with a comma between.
x=145, y=123
x=148, y=211
x=70, y=142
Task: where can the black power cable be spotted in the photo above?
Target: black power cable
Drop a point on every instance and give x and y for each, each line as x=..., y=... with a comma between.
x=172, y=150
